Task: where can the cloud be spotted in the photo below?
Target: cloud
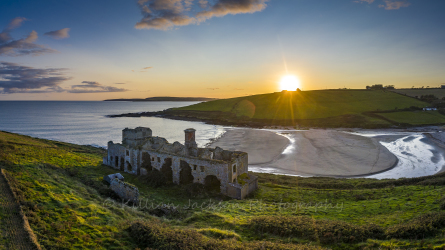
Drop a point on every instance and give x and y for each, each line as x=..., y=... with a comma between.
x=394, y=5
x=15, y=78
x=119, y=83
x=13, y=24
x=21, y=47
x=88, y=84
x=364, y=1
x=144, y=69
x=165, y=14
x=93, y=87
x=213, y=88
x=58, y=34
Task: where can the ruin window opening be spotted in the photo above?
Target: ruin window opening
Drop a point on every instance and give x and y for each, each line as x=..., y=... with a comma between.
x=234, y=168
x=146, y=163
x=185, y=175
x=202, y=168
x=195, y=167
x=128, y=153
x=166, y=169
x=116, y=161
x=129, y=167
x=159, y=159
x=212, y=183
x=122, y=164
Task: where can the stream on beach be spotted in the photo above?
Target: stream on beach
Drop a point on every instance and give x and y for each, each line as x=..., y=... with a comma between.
x=416, y=158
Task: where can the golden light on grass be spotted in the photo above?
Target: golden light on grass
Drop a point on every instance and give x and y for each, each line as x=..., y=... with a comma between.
x=289, y=82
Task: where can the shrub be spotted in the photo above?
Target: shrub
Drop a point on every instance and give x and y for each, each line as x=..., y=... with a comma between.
x=327, y=231
x=218, y=233
x=155, y=235
x=423, y=226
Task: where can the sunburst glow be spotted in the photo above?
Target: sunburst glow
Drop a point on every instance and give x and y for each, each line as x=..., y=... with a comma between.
x=290, y=83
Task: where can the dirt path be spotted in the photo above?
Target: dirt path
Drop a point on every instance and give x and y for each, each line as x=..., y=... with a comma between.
x=12, y=233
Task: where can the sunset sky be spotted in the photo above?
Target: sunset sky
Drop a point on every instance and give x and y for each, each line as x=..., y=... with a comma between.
x=95, y=50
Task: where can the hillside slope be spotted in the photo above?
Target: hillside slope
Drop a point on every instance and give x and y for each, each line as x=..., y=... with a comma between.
x=60, y=188
x=308, y=104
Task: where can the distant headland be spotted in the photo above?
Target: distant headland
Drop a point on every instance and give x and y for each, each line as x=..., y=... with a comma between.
x=342, y=108
x=165, y=99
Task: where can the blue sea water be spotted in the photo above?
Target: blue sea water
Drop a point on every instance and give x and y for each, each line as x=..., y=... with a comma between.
x=85, y=122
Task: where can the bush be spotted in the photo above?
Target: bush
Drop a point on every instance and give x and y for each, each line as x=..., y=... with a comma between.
x=155, y=235
x=218, y=233
x=423, y=226
x=326, y=231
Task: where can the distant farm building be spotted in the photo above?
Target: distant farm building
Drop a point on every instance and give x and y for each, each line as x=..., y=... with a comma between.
x=140, y=153
x=429, y=109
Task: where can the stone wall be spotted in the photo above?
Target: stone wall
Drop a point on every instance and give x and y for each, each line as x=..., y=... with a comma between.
x=126, y=192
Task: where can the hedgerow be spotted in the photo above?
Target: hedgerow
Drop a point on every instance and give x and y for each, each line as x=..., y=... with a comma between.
x=325, y=231
x=154, y=235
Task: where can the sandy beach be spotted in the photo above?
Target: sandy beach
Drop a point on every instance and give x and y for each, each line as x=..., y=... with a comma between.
x=312, y=152
x=335, y=153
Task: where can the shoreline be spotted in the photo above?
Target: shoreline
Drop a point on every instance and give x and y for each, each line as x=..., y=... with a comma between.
x=325, y=153
x=278, y=163
x=230, y=119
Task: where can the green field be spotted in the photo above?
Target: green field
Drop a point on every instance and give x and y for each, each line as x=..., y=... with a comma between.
x=439, y=93
x=67, y=204
x=308, y=104
x=416, y=117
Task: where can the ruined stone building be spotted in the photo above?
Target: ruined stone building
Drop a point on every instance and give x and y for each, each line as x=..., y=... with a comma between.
x=140, y=153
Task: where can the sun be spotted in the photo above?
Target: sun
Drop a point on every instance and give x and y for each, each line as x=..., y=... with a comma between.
x=289, y=82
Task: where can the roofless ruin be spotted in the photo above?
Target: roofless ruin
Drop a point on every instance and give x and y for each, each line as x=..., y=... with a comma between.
x=140, y=152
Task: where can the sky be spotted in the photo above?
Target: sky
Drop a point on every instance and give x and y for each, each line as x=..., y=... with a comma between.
x=96, y=50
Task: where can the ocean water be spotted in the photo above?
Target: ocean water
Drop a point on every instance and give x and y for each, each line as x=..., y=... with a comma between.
x=85, y=122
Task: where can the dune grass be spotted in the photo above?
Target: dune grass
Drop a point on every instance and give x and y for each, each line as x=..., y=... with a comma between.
x=67, y=204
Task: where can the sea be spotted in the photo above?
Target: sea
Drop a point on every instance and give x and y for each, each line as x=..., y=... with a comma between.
x=86, y=122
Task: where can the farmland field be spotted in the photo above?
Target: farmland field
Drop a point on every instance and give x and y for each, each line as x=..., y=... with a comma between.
x=439, y=93
x=415, y=117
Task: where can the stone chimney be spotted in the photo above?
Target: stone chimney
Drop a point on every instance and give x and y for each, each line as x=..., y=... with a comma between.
x=190, y=142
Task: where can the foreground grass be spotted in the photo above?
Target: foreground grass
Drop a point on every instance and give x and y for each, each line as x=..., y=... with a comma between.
x=60, y=188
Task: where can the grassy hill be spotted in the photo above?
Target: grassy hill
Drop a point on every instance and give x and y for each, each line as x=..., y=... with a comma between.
x=318, y=108
x=68, y=206
x=308, y=104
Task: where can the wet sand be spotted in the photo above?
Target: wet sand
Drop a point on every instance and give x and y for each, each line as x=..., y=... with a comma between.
x=318, y=153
